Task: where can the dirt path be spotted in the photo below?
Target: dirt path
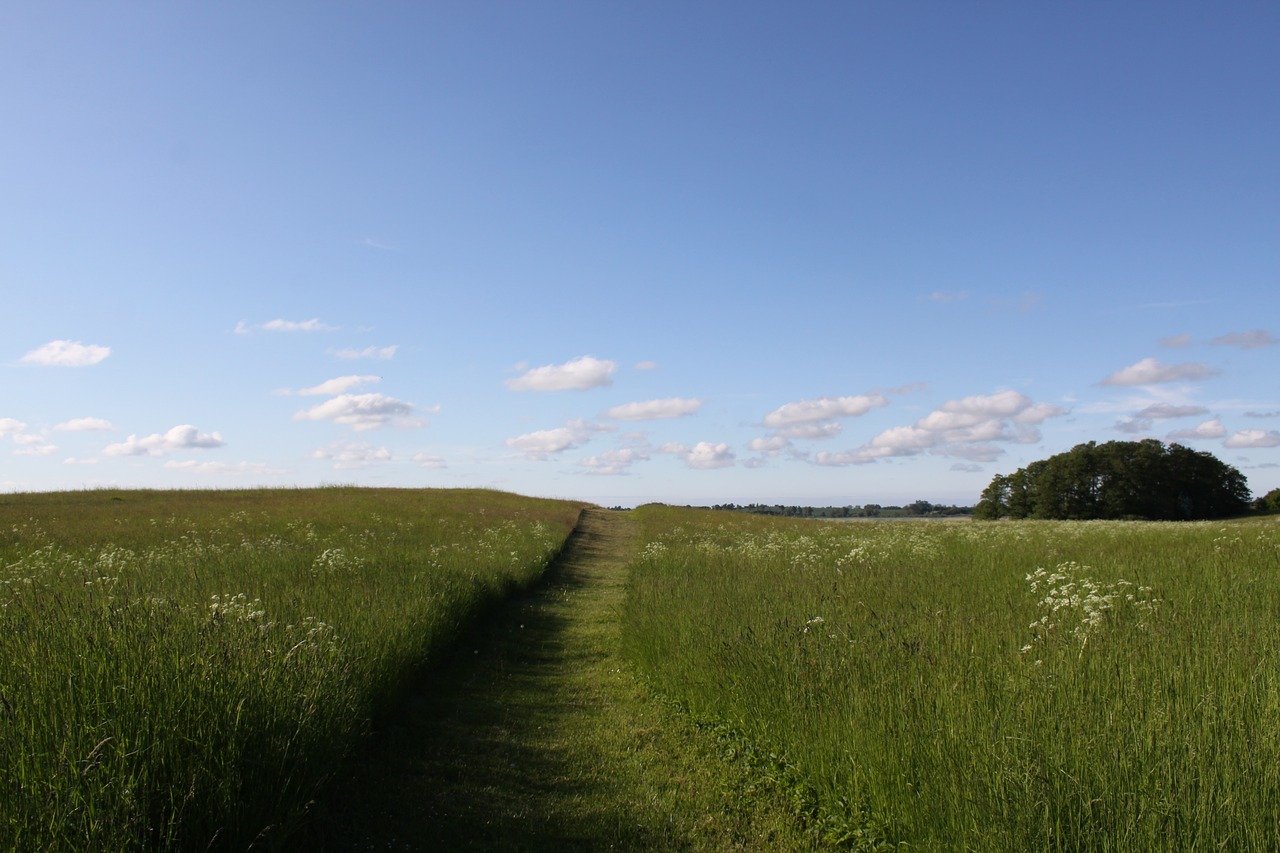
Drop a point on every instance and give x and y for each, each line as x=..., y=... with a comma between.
x=541, y=739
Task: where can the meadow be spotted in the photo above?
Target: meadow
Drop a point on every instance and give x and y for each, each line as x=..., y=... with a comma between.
x=187, y=670
x=1001, y=686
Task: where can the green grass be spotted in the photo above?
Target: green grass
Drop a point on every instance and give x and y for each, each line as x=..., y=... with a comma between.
x=188, y=670
x=537, y=737
x=930, y=696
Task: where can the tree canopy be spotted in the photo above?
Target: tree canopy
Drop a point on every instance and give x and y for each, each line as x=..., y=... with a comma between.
x=1120, y=479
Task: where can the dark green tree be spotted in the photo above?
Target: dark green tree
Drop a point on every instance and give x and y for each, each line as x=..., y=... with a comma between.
x=1119, y=479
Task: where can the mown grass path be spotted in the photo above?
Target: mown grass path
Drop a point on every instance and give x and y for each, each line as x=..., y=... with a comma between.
x=536, y=736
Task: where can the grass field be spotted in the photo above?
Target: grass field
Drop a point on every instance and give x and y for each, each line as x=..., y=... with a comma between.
x=186, y=670
x=197, y=670
x=983, y=686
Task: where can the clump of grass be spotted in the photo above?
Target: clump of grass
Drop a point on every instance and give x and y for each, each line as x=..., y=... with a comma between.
x=1016, y=686
x=187, y=670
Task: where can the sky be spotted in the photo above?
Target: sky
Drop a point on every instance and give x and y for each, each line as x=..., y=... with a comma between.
x=695, y=252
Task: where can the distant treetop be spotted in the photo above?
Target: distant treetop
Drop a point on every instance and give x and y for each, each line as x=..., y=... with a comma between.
x=1119, y=479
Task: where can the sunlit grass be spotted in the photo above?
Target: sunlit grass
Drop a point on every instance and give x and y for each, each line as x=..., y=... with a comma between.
x=186, y=670
x=1003, y=686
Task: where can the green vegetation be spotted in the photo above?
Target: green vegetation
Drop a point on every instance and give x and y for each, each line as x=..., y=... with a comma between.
x=1023, y=686
x=187, y=670
x=537, y=737
x=1268, y=504
x=915, y=509
x=1119, y=480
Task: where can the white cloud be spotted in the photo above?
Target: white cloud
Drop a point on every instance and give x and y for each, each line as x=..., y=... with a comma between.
x=973, y=452
x=823, y=409
x=85, y=425
x=425, y=460
x=965, y=428
x=32, y=445
x=253, y=469
x=182, y=437
x=350, y=455
x=614, y=462
x=649, y=410
x=541, y=444
x=1175, y=341
x=977, y=409
x=362, y=412
x=1169, y=410
x=67, y=354
x=1209, y=429
x=1133, y=426
x=811, y=431
x=703, y=455
x=646, y=365
x=577, y=375
x=707, y=455
x=338, y=385
x=1149, y=371
x=848, y=457
x=312, y=325
x=375, y=353
x=769, y=446
x=1254, y=438
x=1254, y=339
x=9, y=426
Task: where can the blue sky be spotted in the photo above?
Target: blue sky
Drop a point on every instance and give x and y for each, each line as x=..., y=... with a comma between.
x=817, y=253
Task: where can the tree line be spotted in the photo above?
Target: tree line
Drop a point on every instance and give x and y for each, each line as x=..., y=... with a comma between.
x=1117, y=480
x=916, y=509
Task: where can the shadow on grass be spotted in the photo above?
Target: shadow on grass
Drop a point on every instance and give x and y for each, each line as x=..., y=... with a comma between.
x=483, y=754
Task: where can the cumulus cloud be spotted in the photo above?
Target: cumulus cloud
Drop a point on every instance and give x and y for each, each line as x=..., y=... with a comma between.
x=363, y=412
x=1175, y=341
x=1254, y=438
x=338, y=385
x=823, y=409
x=769, y=446
x=811, y=431
x=252, y=469
x=181, y=437
x=375, y=353
x=67, y=354
x=703, y=455
x=650, y=410
x=26, y=444
x=1254, y=339
x=312, y=325
x=1150, y=371
x=542, y=444
x=85, y=425
x=1168, y=410
x=426, y=460
x=646, y=365
x=1209, y=429
x=9, y=426
x=579, y=374
x=350, y=455
x=615, y=462
x=1133, y=426
x=964, y=428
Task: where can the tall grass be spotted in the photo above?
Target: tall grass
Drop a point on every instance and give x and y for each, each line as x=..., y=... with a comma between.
x=970, y=686
x=186, y=670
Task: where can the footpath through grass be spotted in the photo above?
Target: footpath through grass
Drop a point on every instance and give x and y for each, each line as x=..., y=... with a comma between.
x=536, y=736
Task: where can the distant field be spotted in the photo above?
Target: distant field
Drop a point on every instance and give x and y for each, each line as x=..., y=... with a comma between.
x=184, y=670
x=983, y=686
